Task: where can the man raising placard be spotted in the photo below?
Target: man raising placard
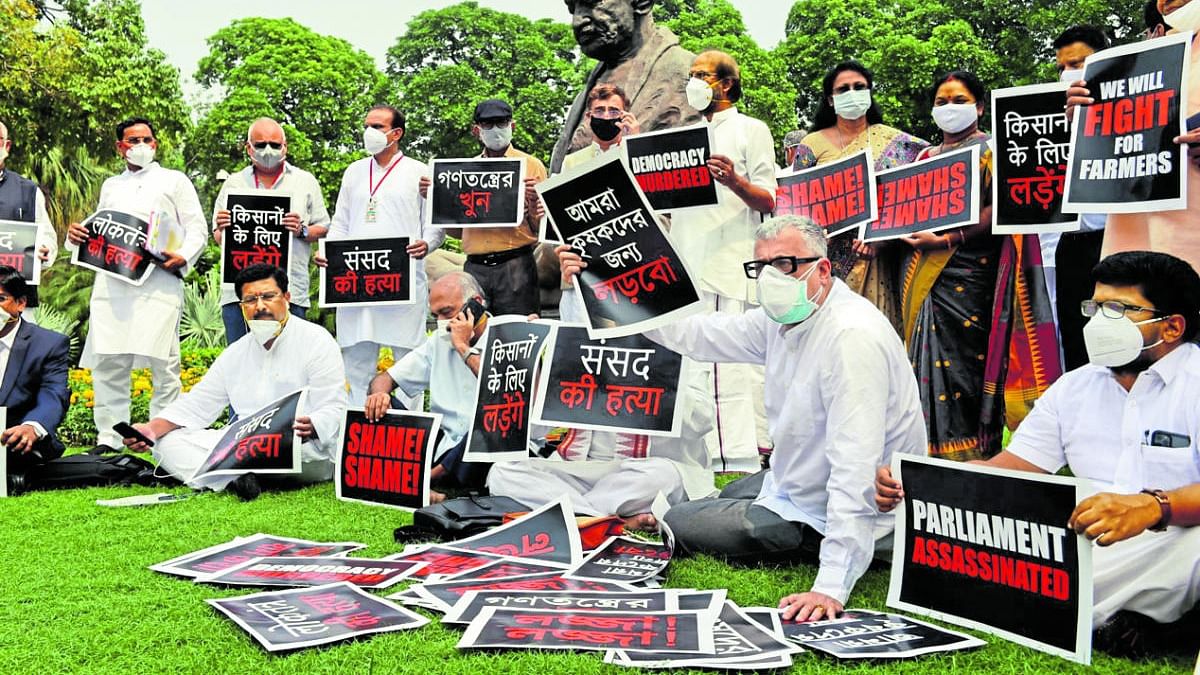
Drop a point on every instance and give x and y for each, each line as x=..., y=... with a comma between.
x=1129, y=422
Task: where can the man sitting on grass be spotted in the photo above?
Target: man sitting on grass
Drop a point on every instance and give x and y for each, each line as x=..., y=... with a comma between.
x=283, y=354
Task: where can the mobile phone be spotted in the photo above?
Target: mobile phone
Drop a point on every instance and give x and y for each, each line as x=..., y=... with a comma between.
x=127, y=431
x=475, y=308
x=1169, y=439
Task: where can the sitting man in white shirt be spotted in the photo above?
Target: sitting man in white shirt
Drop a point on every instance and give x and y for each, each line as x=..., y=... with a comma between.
x=840, y=399
x=447, y=364
x=284, y=354
x=1129, y=422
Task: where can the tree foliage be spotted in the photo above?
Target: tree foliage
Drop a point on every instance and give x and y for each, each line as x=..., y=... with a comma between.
x=447, y=60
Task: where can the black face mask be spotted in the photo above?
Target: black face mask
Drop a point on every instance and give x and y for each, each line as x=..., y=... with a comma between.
x=605, y=130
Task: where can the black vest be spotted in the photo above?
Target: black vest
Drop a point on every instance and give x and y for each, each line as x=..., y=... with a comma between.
x=17, y=195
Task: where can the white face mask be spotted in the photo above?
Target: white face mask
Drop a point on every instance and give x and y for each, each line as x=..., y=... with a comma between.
x=374, y=141
x=785, y=298
x=1186, y=17
x=954, y=117
x=497, y=138
x=443, y=327
x=852, y=104
x=140, y=155
x=700, y=94
x=264, y=330
x=268, y=158
x=3, y=153
x=1113, y=343
x=1071, y=75
x=6, y=318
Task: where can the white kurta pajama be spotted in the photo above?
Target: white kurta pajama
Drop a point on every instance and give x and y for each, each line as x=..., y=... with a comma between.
x=715, y=241
x=399, y=212
x=247, y=378
x=138, y=326
x=607, y=472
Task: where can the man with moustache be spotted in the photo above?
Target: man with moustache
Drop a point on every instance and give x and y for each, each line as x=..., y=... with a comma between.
x=266, y=146
x=283, y=354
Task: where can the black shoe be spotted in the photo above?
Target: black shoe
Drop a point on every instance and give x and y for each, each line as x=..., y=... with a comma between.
x=102, y=449
x=1126, y=635
x=246, y=487
x=17, y=484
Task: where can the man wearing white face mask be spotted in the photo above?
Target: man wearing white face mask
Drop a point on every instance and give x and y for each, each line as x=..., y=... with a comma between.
x=22, y=200
x=266, y=145
x=1130, y=423
x=380, y=197
x=282, y=354
x=135, y=326
x=713, y=241
x=841, y=399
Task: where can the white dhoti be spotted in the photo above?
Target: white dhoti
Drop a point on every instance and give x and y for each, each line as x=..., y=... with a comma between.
x=182, y=451
x=1155, y=573
x=740, y=427
x=597, y=488
x=110, y=382
x=362, y=364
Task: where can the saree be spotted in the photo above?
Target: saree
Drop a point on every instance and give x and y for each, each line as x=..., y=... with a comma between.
x=875, y=279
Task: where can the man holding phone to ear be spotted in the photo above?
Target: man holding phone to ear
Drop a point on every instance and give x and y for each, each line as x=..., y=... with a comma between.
x=609, y=119
x=447, y=364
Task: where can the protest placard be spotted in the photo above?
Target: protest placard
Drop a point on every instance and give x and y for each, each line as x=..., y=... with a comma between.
x=511, y=628
x=441, y=596
x=546, y=534
x=387, y=462
x=738, y=642
x=634, y=279
x=624, y=559
x=1032, y=140
x=443, y=561
x=116, y=246
x=18, y=249
x=990, y=549
x=860, y=634
x=307, y=617
x=927, y=196
x=293, y=571
x=504, y=389
x=256, y=233
x=263, y=442
x=242, y=549
x=366, y=271
x=472, y=603
x=504, y=568
x=839, y=196
x=1124, y=158
x=623, y=384
x=671, y=166
x=476, y=192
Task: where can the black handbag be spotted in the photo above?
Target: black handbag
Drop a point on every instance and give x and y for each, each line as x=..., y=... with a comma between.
x=458, y=518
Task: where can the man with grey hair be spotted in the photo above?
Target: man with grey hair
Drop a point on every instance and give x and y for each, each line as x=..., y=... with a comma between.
x=841, y=399
x=266, y=146
x=447, y=364
x=21, y=200
x=791, y=143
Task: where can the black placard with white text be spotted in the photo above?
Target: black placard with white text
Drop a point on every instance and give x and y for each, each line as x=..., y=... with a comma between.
x=1123, y=155
x=671, y=166
x=990, y=549
x=927, y=196
x=18, y=249
x=366, y=271
x=477, y=192
x=839, y=196
x=116, y=246
x=860, y=634
x=387, y=461
x=256, y=233
x=264, y=442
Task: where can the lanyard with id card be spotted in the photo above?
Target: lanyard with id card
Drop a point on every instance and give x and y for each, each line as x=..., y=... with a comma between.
x=373, y=203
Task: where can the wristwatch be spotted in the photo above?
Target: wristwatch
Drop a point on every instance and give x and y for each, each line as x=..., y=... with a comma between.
x=1164, y=505
x=473, y=351
x=303, y=233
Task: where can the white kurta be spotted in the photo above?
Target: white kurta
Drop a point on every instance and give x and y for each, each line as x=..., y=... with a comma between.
x=841, y=400
x=247, y=378
x=399, y=213
x=437, y=366
x=144, y=320
x=307, y=202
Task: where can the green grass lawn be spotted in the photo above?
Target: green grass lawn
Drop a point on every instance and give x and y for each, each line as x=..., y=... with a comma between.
x=78, y=597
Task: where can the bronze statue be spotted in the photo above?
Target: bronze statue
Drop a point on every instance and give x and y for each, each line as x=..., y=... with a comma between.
x=643, y=59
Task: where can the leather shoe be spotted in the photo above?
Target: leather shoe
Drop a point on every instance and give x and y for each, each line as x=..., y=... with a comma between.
x=246, y=487
x=17, y=484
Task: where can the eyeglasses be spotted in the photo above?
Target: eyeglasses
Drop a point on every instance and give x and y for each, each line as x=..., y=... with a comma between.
x=784, y=263
x=700, y=75
x=137, y=140
x=268, y=298
x=1112, y=309
x=857, y=86
x=494, y=124
x=267, y=144
x=607, y=113
x=5, y=298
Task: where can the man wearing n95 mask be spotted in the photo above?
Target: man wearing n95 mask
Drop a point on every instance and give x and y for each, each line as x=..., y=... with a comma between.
x=283, y=353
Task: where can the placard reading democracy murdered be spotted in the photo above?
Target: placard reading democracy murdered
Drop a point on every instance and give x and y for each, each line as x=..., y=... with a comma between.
x=294, y=571
x=265, y=442
x=509, y=628
x=387, y=462
x=477, y=192
x=1030, y=162
x=365, y=271
x=1123, y=155
x=859, y=634
x=634, y=280
x=504, y=391
x=626, y=384
x=990, y=549
x=116, y=246
x=839, y=196
x=306, y=617
x=18, y=249
x=927, y=196
x=671, y=166
x=256, y=233
x=242, y=549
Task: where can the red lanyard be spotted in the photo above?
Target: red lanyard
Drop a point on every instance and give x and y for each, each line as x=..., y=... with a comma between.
x=273, y=185
x=371, y=174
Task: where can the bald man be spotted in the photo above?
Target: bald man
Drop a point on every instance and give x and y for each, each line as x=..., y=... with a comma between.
x=20, y=199
x=266, y=146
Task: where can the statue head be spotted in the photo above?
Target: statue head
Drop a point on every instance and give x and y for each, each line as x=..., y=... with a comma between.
x=609, y=30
